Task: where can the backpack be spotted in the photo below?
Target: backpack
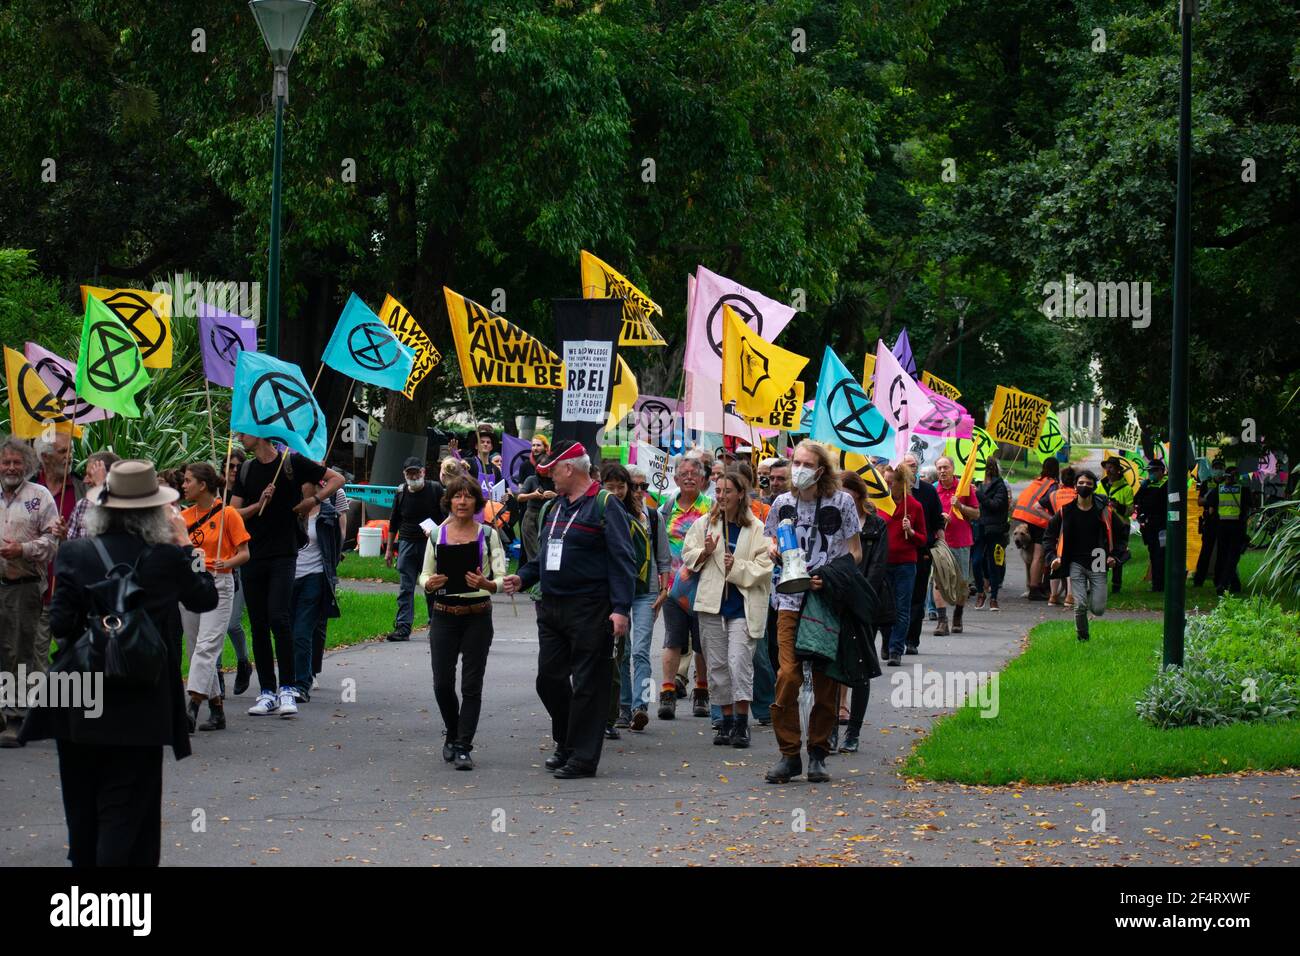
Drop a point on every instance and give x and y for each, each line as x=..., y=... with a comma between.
x=120, y=640
x=602, y=499
x=644, y=554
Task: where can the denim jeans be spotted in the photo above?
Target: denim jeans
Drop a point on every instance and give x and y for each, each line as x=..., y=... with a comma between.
x=901, y=579
x=235, y=629
x=308, y=606
x=764, y=681
x=410, y=562
x=639, y=691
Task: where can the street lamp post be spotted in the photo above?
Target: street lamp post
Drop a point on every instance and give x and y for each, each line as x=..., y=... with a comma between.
x=1176, y=526
x=282, y=23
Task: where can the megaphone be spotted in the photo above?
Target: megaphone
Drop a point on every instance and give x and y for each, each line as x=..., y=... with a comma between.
x=794, y=566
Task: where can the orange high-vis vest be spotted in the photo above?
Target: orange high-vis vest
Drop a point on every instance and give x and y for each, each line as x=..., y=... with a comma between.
x=1027, y=507
x=1061, y=497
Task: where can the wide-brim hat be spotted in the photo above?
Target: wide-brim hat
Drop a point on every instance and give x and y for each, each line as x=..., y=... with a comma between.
x=563, y=451
x=133, y=483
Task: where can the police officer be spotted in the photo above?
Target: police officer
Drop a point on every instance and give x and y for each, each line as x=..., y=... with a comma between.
x=1206, y=496
x=1151, y=503
x=1232, y=501
x=587, y=572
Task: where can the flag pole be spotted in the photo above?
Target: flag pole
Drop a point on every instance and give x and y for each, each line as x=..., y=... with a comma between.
x=212, y=434
x=335, y=433
x=276, y=477
x=225, y=493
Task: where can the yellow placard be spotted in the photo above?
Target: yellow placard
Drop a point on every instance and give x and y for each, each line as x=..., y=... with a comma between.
x=786, y=414
x=1017, y=417
x=146, y=315
x=408, y=332
x=602, y=281
x=937, y=385
x=493, y=351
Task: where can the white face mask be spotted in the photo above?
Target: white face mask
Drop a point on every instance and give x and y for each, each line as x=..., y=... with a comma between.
x=801, y=476
x=415, y=485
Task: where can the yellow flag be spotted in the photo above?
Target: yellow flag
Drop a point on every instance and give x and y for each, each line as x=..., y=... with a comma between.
x=935, y=384
x=32, y=406
x=877, y=487
x=408, y=332
x=493, y=351
x=623, y=394
x=602, y=281
x=963, y=486
x=755, y=373
x=147, y=315
x=1017, y=417
x=785, y=415
x=869, y=374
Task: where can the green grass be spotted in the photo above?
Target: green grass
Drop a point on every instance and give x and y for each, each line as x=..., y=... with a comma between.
x=370, y=569
x=365, y=616
x=1066, y=715
x=1016, y=470
x=1138, y=596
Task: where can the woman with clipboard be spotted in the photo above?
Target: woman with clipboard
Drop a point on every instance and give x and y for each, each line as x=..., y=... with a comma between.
x=460, y=612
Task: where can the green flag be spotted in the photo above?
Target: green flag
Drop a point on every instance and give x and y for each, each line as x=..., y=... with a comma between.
x=110, y=370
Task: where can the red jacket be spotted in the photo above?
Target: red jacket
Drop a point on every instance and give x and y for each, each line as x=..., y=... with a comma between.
x=902, y=550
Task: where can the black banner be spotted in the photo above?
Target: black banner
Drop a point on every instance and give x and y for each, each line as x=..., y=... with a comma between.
x=591, y=320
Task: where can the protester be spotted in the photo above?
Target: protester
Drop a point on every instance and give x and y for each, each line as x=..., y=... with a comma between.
x=1207, y=498
x=681, y=627
x=874, y=565
x=97, y=465
x=537, y=490
x=480, y=466
x=646, y=524
x=826, y=526
x=764, y=478
x=315, y=584
x=1052, y=502
x=1151, y=504
x=922, y=593
x=587, y=573
x=218, y=531
x=958, y=513
x=992, y=536
x=729, y=553
x=459, y=595
x=1114, y=487
x=1029, y=510
x=283, y=491
x=55, y=454
x=413, y=505
x=331, y=532
x=28, y=543
x=907, y=537
x=778, y=479
x=1080, y=540
x=235, y=629
x=110, y=765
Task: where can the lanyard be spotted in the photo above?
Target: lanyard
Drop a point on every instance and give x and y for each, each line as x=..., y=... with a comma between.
x=550, y=532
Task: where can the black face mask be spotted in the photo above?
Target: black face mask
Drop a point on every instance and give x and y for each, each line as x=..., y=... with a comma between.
x=762, y=481
x=1084, y=492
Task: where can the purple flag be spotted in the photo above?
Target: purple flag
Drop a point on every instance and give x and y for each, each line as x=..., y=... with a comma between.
x=222, y=336
x=514, y=455
x=902, y=351
x=60, y=377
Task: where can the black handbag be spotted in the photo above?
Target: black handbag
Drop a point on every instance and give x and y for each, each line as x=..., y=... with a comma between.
x=120, y=640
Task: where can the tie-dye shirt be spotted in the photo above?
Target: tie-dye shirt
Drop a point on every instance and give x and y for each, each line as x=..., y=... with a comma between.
x=678, y=521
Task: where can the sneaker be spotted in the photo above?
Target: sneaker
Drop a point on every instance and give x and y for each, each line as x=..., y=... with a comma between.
x=624, y=720
x=979, y=601
x=462, y=760
x=448, y=751
x=300, y=696
x=398, y=636
x=611, y=733
x=912, y=649
x=895, y=661
x=267, y=703
x=932, y=616
x=639, y=719
x=993, y=604
x=288, y=706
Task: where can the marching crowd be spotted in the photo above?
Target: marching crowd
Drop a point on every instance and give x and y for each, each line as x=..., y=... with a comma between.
x=764, y=580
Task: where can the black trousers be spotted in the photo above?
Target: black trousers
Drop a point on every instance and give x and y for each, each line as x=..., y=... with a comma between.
x=919, y=589
x=112, y=799
x=467, y=638
x=1157, y=553
x=574, y=660
x=1209, y=537
x=268, y=592
x=1232, y=542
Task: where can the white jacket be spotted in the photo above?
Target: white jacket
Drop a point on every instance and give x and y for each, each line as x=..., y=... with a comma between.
x=751, y=571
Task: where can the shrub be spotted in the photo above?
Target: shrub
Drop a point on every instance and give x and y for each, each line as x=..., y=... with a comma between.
x=1249, y=632
x=1209, y=693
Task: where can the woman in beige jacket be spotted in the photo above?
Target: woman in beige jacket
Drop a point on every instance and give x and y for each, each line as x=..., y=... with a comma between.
x=730, y=554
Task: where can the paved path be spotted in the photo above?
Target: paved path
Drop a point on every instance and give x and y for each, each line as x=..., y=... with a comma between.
x=363, y=782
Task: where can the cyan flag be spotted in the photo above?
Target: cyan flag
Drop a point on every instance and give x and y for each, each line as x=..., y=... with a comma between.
x=365, y=348
x=272, y=400
x=843, y=416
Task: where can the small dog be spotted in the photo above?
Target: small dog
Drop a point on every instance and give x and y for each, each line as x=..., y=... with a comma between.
x=1025, y=545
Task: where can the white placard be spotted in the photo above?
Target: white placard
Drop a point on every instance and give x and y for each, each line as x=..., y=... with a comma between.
x=586, y=384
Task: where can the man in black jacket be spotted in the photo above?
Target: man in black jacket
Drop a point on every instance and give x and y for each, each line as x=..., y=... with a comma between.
x=991, y=535
x=413, y=503
x=1151, y=504
x=1080, y=544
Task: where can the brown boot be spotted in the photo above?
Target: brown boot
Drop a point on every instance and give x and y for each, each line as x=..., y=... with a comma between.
x=956, y=618
x=701, y=702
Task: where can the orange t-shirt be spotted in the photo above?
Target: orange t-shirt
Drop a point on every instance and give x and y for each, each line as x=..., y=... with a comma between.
x=761, y=509
x=205, y=535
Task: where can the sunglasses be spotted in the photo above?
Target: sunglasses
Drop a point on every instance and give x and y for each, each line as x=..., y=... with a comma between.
x=639, y=486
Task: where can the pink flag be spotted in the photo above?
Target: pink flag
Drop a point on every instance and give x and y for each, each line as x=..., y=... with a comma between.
x=711, y=292
x=60, y=377
x=946, y=418
x=899, y=397
x=703, y=405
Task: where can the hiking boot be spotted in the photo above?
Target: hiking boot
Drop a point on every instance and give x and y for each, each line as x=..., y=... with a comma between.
x=243, y=674
x=941, y=630
x=817, y=768
x=680, y=686
x=398, y=636
x=785, y=768
x=740, y=731
x=723, y=736
x=700, y=707
x=216, y=716
x=192, y=714
x=668, y=706
x=956, y=618
x=639, y=719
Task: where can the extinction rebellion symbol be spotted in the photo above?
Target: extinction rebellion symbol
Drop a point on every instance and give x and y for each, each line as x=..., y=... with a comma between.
x=287, y=396
x=742, y=307
x=47, y=408
x=226, y=344
x=854, y=427
x=66, y=393
x=104, y=372
x=139, y=316
x=372, y=346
